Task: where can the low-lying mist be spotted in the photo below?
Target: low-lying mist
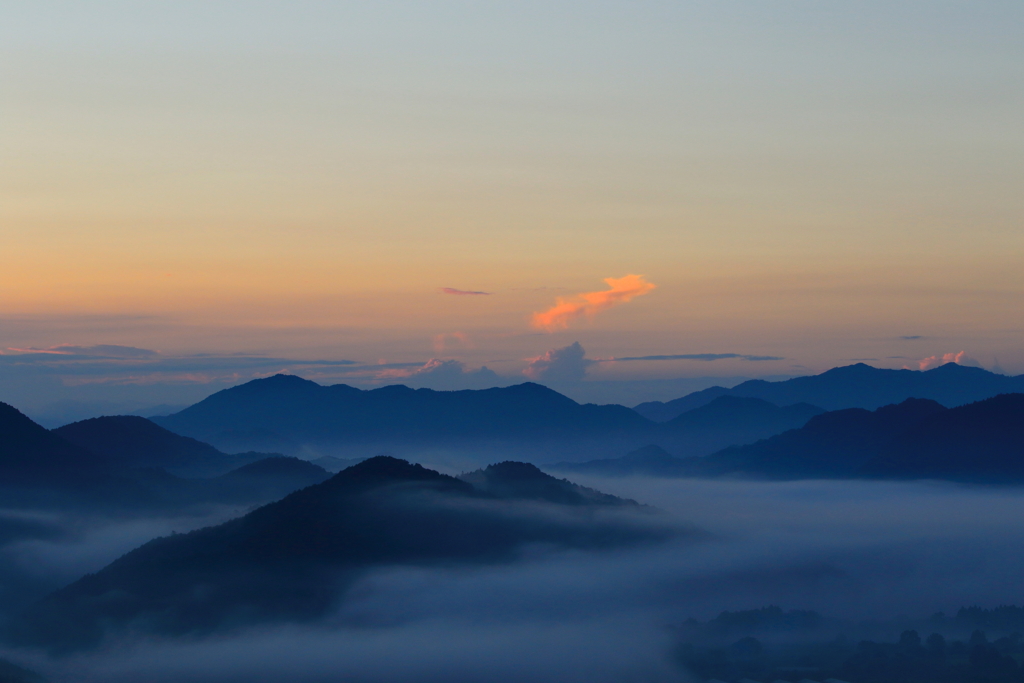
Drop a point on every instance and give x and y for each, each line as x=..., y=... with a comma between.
x=853, y=551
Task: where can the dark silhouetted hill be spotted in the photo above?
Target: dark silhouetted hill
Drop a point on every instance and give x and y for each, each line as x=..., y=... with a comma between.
x=979, y=442
x=916, y=439
x=137, y=442
x=651, y=461
x=856, y=386
x=267, y=479
x=32, y=457
x=294, y=559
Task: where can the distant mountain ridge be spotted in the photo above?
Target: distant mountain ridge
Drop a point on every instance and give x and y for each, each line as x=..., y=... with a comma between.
x=528, y=420
x=855, y=386
x=293, y=409
x=979, y=442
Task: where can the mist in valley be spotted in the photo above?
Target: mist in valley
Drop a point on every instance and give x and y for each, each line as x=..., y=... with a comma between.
x=860, y=553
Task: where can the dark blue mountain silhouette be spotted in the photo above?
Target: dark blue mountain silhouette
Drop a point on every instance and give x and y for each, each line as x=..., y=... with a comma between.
x=300, y=410
x=40, y=469
x=529, y=420
x=32, y=457
x=137, y=442
x=294, y=559
x=916, y=439
x=856, y=386
x=522, y=481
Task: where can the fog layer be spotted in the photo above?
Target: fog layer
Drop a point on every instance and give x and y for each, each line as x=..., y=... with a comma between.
x=851, y=550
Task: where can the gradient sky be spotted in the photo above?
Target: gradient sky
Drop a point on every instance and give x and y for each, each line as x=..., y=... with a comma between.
x=809, y=181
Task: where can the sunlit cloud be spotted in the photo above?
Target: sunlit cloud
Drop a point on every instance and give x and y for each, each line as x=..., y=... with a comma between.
x=567, y=364
x=462, y=292
x=960, y=358
x=566, y=310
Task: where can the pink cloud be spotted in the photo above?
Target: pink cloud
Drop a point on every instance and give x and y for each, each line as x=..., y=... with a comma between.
x=566, y=310
x=960, y=358
x=462, y=292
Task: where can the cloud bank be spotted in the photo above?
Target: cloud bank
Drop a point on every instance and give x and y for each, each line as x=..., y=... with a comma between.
x=567, y=364
x=566, y=310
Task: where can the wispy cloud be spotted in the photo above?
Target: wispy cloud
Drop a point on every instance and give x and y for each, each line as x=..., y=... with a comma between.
x=700, y=357
x=462, y=292
x=566, y=310
x=98, y=351
x=911, y=337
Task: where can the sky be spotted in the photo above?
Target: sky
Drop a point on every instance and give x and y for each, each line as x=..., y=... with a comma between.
x=410, y=191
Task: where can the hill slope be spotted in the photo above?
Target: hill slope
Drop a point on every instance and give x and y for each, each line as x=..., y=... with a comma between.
x=31, y=456
x=137, y=442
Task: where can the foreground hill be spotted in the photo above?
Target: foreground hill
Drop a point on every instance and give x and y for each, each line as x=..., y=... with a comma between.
x=855, y=386
x=916, y=439
x=137, y=442
x=294, y=559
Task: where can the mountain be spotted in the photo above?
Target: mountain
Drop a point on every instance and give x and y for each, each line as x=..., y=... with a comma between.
x=267, y=479
x=856, y=386
x=289, y=409
x=137, y=442
x=32, y=457
x=294, y=559
x=335, y=465
x=732, y=420
x=651, y=461
x=916, y=439
x=979, y=442
x=658, y=411
x=529, y=420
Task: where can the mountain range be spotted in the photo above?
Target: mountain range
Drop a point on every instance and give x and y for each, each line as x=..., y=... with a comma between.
x=294, y=559
x=854, y=386
x=529, y=420
x=121, y=463
x=981, y=442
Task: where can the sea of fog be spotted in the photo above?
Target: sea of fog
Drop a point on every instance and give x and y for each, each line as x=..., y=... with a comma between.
x=850, y=550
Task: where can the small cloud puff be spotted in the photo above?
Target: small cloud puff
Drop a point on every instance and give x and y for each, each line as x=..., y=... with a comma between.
x=567, y=364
